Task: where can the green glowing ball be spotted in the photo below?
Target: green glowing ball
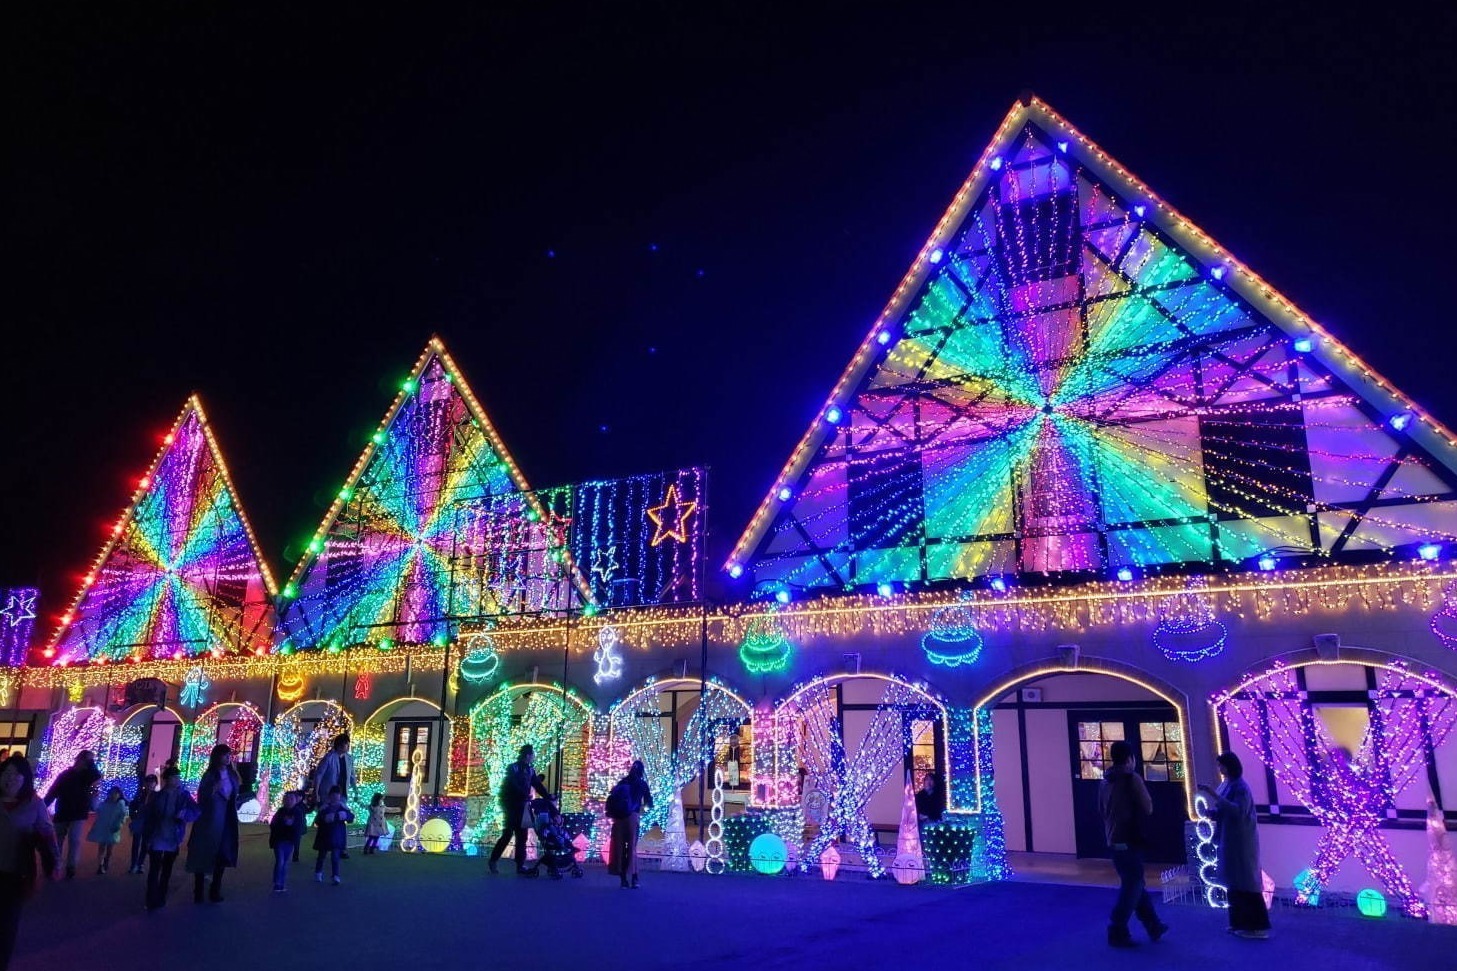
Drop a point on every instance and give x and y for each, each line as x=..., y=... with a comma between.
x=768, y=853
x=1370, y=903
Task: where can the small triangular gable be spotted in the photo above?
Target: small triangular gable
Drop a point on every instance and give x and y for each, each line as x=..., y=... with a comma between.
x=181, y=575
x=1073, y=379
x=435, y=525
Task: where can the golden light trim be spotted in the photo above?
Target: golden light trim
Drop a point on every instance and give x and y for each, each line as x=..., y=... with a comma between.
x=1088, y=666
x=144, y=485
x=434, y=348
x=1251, y=286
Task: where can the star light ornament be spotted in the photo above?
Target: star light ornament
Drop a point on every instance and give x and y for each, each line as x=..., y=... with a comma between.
x=604, y=566
x=670, y=519
x=609, y=662
x=194, y=687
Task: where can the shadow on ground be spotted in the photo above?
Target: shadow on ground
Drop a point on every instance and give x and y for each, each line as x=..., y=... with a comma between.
x=425, y=912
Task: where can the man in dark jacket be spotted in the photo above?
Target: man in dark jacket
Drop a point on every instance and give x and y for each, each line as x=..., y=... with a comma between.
x=1126, y=806
x=72, y=792
x=515, y=793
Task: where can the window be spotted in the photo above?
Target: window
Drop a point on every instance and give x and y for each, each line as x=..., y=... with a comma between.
x=410, y=737
x=1094, y=738
x=923, y=750
x=16, y=736
x=1163, y=751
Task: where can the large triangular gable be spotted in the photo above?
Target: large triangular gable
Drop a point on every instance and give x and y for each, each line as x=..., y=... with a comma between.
x=1074, y=380
x=181, y=575
x=434, y=526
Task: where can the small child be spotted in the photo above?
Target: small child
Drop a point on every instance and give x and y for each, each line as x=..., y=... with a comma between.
x=332, y=820
x=374, y=827
x=285, y=832
x=106, y=830
x=138, y=812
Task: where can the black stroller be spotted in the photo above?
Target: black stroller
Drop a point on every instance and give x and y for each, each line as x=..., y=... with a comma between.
x=553, y=846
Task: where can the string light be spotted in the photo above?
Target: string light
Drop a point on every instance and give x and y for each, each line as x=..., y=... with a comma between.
x=17, y=624
x=1408, y=714
x=1043, y=407
x=180, y=574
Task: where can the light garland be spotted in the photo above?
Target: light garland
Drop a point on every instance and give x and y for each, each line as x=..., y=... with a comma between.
x=1042, y=362
x=180, y=575
x=67, y=735
x=1408, y=713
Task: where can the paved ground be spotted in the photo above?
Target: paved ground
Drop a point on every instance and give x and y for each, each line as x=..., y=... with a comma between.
x=419, y=913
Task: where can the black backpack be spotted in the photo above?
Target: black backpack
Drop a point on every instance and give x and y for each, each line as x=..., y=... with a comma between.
x=619, y=801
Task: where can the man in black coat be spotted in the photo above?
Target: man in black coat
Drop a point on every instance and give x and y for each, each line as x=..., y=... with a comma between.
x=73, y=792
x=514, y=794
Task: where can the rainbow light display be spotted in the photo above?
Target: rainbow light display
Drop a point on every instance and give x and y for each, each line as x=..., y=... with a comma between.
x=1073, y=382
x=17, y=624
x=392, y=556
x=1410, y=716
x=181, y=576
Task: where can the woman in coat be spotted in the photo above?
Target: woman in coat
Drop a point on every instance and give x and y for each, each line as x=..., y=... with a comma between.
x=25, y=830
x=1237, y=839
x=636, y=795
x=213, y=845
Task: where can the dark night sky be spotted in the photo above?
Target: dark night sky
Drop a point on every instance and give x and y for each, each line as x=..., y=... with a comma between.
x=278, y=209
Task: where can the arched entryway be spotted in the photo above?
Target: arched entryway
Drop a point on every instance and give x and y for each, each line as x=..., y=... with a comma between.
x=1052, y=727
x=857, y=738
x=556, y=723
x=301, y=738
x=235, y=724
x=386, y=745
x=1342, y=754
x=144, y=739
x=678, y=727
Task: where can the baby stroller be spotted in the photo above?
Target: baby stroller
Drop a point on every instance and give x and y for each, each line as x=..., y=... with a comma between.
x=554, y=846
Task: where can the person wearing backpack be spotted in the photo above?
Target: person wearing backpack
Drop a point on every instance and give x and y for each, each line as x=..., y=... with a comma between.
x=514, y=795
x=1126, y=805
x=625, y=804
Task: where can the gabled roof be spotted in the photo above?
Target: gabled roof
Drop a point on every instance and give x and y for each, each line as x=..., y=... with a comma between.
x=1073, y=379
x=417, y=539
x=181, y=575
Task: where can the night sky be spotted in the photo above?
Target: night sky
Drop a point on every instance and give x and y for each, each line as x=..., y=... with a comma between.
x=651, y=237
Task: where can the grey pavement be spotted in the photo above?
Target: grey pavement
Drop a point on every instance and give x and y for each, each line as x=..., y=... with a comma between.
x=413, y=913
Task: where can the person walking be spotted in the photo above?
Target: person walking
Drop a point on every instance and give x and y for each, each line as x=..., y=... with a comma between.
x=336, y=769
x=1126, y=805
x=514, y=796
x=72, y=792
x=1237, y=841
x=106, y=828
x=213, y=845
x=137, y=810
x=333, y=822
x=167, y=815
x=25, y=831
x=625, y=804
x=285, y=832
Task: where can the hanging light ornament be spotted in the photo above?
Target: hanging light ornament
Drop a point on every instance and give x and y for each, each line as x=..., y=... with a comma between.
x=1444, y=621
x=766, y=647
x=481, y=662
x=1187, y=630
x=952, y=640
